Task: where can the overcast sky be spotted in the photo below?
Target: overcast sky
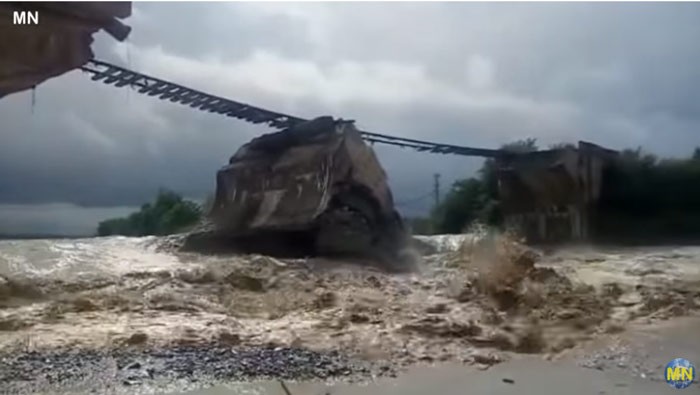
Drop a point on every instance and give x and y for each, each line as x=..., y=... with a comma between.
x=620, y=75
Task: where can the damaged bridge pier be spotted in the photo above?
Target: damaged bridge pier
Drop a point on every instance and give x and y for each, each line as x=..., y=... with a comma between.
x=552, y=195
x=546, y=196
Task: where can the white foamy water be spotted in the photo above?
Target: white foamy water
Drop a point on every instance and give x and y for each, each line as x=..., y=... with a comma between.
x=597, y=266
x=190, y=298
x=115, y=256
x=454, y=242
x=78, y=257
x=630, y=266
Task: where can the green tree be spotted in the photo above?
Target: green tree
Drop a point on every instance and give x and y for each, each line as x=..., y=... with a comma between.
x=462, y=205
x=169, y=213
x=562, y=146
x=642, y=196
x=421, y=226
x=696, y=154
x=476, y=199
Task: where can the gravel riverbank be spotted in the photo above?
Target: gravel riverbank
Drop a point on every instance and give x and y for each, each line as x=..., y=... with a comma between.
x=144, y=370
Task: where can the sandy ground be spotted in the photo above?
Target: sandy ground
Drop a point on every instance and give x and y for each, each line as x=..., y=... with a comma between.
x=627, y=364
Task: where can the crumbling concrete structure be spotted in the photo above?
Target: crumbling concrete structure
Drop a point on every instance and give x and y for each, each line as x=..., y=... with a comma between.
x=317, y=187
x=551, y=195
x=56, y=40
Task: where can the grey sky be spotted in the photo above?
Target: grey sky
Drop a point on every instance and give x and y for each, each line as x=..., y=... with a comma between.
x=621, y=75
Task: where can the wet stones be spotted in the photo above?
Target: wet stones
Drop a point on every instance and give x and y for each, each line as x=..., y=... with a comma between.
x=133, y=365
x=203, y=364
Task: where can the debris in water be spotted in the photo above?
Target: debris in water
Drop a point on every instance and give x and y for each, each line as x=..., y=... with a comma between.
x=137, y=338
x=492, y=294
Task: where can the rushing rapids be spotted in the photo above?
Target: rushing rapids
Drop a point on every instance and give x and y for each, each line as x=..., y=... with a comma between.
x=476, y=300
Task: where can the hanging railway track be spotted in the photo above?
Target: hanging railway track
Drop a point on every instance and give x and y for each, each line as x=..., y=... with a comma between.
x=165, y=90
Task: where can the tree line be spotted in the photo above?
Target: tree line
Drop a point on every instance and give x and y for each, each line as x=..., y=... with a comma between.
x=643, y=197
x=649, y=198
x=168, y=213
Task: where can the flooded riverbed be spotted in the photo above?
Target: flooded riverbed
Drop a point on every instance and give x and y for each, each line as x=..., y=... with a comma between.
x=471, y=302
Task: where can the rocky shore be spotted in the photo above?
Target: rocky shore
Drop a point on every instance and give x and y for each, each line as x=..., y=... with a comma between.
x=136, y=370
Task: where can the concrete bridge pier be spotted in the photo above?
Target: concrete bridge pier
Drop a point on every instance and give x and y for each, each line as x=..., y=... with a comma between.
x=551, y=195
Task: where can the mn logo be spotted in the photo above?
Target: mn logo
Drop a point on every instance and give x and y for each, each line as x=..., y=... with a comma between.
x=679, y=373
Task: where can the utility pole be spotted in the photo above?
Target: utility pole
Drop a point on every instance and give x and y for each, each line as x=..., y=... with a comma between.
x=436, y=187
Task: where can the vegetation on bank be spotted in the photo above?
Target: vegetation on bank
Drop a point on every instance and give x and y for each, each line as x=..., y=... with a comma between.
x=169, y=213
x=472, y=200
x=643, y=196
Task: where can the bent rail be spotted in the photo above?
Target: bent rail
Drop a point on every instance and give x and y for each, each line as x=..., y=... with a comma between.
x=165, y=90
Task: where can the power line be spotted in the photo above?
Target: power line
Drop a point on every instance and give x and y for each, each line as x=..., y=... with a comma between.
x=414, y=200
x=165, y=90
x=436, y=188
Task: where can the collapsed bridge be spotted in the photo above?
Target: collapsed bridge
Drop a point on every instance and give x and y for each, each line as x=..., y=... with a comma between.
x=120, y=77
x=545, y=193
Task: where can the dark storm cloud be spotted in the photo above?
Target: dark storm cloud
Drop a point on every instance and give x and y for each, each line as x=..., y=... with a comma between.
x=116, y=151
x=226, y=30
x=470, y=73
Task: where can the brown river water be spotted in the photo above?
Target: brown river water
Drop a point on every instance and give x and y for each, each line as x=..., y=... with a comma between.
x=472, y=300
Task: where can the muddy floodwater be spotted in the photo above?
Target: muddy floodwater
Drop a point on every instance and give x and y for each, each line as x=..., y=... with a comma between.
x=141, y=314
